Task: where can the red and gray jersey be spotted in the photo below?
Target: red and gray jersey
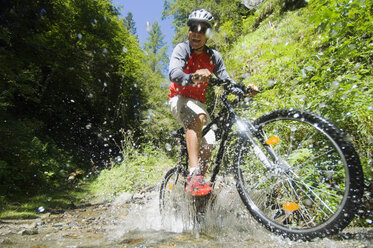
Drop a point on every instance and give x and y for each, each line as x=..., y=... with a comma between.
x=184, y=62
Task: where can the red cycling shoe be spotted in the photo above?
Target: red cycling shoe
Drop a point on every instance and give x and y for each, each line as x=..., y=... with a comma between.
x=197, y=186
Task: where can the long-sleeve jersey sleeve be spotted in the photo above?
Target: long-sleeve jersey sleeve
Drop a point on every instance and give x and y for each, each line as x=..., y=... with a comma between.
x=220, y=70
x=178, y=61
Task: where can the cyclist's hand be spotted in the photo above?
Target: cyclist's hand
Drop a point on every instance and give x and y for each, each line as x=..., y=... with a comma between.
x=201, y=76
x=252, y=90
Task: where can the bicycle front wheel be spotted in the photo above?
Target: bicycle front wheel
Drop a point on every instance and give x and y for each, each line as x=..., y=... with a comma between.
x=314, y=183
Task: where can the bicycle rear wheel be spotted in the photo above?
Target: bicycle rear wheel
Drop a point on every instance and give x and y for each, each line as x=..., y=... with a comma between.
x=172, y=191
x=176, y=205
x=315, y=182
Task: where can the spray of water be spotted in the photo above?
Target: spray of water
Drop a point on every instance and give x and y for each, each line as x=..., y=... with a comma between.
x=221, y=216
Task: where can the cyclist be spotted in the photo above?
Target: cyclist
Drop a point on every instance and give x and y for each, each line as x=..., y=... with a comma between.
x=191, y=65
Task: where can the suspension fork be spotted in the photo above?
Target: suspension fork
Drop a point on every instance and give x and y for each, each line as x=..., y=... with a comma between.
x=247, y=136
x=261, y=136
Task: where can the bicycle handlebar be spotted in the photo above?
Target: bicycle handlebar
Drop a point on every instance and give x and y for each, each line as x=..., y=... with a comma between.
x=238, y=89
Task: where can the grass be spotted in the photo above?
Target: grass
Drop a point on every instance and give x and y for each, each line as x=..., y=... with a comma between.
x=30, y=207
x=309, y=62
x=137, y=169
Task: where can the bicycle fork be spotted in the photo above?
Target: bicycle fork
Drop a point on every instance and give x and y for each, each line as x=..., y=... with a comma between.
x=246, y=130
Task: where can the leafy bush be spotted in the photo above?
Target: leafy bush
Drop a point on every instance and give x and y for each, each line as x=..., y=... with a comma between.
x=29, y=161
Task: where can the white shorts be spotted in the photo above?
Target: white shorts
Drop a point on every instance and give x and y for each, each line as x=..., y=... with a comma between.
x=185, y=110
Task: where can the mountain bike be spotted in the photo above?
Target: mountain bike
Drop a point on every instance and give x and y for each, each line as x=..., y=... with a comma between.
x=296, y=172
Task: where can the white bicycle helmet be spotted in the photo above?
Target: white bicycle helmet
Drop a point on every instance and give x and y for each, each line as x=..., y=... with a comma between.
x=200, y=15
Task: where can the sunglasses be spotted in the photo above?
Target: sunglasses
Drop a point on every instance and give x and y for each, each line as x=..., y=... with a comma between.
x=198, y=29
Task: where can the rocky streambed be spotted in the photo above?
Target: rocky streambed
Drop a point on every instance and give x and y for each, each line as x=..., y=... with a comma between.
x=133, y=220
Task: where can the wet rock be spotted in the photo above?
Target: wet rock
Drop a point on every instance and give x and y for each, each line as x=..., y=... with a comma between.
x=148, y=189
x=5, y=241
x=60, y=224
x=122, y=199
x=32, y=231
x=89, y=220
x=132, y=241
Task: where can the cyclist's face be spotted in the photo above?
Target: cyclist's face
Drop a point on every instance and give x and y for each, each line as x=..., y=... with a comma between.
x=197, y=35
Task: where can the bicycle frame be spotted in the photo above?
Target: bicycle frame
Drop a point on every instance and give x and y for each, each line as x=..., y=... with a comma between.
x=230, y=117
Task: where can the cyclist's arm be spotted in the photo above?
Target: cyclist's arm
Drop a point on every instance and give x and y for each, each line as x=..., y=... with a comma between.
x=178, y=60
x=220, y=71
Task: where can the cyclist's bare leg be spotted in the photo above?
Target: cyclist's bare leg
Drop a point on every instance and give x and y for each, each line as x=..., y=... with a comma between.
x=193, y=139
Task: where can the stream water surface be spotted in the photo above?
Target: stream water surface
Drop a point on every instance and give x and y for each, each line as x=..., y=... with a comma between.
x=134, y=221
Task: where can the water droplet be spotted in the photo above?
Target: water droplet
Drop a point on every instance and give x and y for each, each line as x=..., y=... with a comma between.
x=369, y=221
x=335, y=84
x=307, y=202
x=209, y=33
x=41, y=209
x=148, y=27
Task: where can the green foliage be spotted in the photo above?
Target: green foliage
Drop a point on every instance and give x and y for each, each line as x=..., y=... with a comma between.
x=137, y=168
x=70, y=80
x=157, y=122
x=129, y=23
x=288, y=52
x=27, y=207
x=317, y=58
x=155, y=49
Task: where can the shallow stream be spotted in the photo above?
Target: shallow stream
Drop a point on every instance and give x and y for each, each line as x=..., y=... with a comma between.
x=134, y=221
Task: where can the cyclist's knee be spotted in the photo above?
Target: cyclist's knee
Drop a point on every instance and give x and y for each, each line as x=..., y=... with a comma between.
x=202, y=118
x=198, y=122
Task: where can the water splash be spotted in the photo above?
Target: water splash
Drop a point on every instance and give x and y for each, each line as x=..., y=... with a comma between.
x=225, y=218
